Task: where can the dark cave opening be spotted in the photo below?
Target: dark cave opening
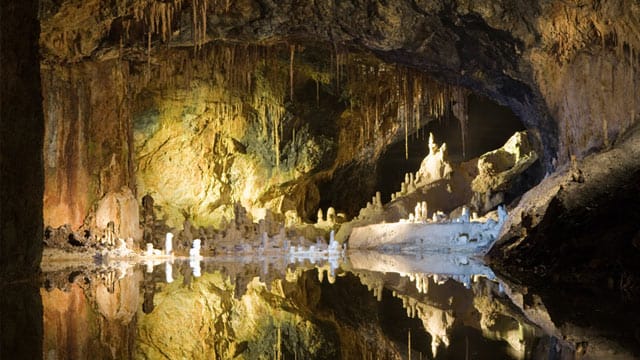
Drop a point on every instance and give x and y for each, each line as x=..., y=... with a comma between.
x=490, y=126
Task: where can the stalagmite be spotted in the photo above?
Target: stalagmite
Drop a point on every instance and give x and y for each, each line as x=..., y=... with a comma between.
x=149, y=250
x=331, y=215
x=168, y=244
x=423, y=210
x=168, y=272
x=194, y=252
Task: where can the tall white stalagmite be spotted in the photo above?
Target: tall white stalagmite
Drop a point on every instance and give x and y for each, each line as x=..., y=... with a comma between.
x=168, y=244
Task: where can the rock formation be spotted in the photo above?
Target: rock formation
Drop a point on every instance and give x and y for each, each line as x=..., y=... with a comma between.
x=494, y=178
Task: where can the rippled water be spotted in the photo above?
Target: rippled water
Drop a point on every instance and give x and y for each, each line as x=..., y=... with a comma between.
x=363, y=306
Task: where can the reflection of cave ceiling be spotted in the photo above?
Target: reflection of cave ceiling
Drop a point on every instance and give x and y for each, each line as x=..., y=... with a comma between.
x=238, y=312
x=204, y=103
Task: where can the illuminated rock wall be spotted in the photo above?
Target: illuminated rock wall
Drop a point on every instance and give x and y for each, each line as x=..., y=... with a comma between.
x=259, y=125
x=217, y=124
x=87, y=150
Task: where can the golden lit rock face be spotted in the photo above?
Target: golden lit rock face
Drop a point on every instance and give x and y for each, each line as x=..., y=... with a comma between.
x=259, y=125
x=206, y=138
x=87, y=152
x=216, y=137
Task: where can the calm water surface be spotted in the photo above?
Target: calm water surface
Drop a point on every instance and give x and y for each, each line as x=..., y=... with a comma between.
x=363, y=306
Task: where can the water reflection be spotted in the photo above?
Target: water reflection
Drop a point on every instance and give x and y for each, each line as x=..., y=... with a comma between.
x=368, y=305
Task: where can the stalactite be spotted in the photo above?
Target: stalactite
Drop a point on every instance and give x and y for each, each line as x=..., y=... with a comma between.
x=417, y=100
x=148, y=55
x=602, y=61
x=199, y=22
x=404, y=115
x=292, y=54
x=340, y=63
x=158, y=16
x=194, y=25
x=634, y=85
x=317, y=93
x=332, y=63
x=460, y=111
x=377, y=109
x=367, y=123
x=203, y=13
x=409, y=344
x=276, y=142
x=337, y=72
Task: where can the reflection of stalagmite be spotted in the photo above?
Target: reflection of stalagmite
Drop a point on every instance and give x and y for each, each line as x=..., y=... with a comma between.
x=331, y=278
x=194, y=264
x=168, y=244
x=149, y=251
x=377, y=293
x=422, y=283
x=168, y=272
x=110, y=236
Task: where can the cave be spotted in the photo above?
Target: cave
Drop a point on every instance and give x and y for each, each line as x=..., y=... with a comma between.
x=474, y=165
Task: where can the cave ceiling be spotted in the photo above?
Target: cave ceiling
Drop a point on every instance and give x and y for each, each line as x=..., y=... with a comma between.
x=498, y=48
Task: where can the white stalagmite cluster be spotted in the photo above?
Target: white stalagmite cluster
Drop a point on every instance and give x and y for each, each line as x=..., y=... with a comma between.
x=372, y=208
